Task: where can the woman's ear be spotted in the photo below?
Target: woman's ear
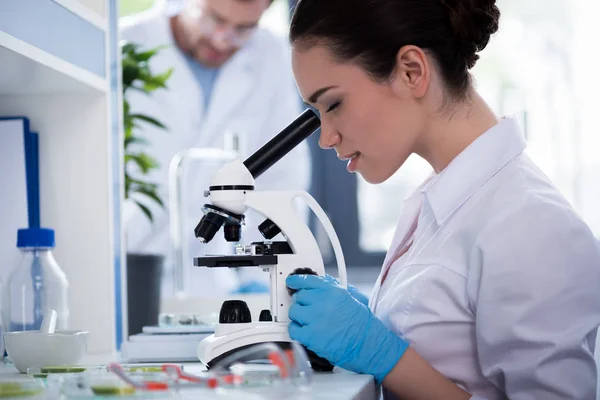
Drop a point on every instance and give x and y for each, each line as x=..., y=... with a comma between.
x=412, y=74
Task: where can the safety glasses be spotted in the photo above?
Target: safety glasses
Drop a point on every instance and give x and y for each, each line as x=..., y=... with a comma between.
x=211, y=27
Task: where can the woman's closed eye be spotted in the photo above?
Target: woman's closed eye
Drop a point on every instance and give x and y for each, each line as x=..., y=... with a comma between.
x=334, y=106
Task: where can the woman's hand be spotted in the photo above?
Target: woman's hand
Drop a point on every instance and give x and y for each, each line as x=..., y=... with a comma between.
x=328, y=320
x=357, y=294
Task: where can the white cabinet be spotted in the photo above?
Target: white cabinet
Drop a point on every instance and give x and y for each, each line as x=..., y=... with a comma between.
x=60, y=30
x=57, y=67
x=93, y=11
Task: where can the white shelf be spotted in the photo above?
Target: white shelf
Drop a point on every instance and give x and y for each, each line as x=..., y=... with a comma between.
x=26, y=69
x=72, y=108
x=93, y=11
x=76, y=200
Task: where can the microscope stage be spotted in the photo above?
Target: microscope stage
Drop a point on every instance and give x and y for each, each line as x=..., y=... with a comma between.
x=235, y=261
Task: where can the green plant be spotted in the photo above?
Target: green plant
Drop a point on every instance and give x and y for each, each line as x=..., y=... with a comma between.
x=138, y=76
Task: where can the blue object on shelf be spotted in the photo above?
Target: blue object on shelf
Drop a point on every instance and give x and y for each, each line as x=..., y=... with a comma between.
x=33, y=179
x=32, y=173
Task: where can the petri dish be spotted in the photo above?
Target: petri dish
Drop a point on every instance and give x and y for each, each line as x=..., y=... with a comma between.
x=282, y=368
x=137, y=368
x=22, y=388
x=99, y=385
x=44, y=372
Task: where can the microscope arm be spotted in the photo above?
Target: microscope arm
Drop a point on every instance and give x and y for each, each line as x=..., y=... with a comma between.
x=277, y=207
x=335, y=241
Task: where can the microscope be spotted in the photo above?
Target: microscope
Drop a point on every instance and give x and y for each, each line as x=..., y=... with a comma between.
x=231, y=193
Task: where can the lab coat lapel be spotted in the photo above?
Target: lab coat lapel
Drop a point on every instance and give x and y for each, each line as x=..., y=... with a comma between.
x=410, y=211
x=233, y=87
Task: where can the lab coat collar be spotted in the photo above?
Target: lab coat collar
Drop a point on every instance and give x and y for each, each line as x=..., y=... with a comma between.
x=482, y=159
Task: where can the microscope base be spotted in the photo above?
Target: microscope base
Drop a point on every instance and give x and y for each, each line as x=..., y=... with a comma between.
x=229, y=338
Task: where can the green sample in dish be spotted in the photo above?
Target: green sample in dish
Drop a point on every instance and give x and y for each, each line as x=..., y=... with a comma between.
x=16, y=389
x=61, y=370
x=145, y=369
x=113, y=390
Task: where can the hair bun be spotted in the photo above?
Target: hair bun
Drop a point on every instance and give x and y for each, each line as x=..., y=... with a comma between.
x=473, y=22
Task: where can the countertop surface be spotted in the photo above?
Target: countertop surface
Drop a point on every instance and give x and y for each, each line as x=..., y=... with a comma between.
x=339, y=384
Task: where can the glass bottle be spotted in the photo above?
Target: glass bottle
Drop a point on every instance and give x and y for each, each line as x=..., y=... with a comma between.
x=37, y=284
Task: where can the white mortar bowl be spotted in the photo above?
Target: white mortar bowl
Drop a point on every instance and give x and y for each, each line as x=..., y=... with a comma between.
x=37, y=349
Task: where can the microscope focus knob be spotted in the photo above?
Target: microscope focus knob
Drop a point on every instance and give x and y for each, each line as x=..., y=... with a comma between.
x=268, y=229
x=234, y=312
x=265, y=316
x=300, y=271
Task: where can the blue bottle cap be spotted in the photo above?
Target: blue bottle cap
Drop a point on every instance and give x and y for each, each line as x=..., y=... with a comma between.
x=35, y=237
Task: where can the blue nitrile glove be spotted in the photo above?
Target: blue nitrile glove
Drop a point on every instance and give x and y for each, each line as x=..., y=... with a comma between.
x=329, y=321
x=357, y=294
x=251, y=287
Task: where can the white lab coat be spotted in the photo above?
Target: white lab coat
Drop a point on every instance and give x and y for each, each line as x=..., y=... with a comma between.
x=500, y=288
x=254, y=96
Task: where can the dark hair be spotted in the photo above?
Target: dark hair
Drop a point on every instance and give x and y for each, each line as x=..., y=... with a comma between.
x=371, y=32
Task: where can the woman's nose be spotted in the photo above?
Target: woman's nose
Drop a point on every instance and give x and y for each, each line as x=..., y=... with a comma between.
x=330, y=137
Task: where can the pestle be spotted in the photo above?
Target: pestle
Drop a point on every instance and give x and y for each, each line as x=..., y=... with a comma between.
x=49, y=322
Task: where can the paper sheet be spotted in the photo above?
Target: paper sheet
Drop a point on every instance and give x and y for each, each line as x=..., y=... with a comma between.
x=13, y=193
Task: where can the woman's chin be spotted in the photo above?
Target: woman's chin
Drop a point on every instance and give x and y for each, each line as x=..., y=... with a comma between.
x=374, y=177
x=371, y=178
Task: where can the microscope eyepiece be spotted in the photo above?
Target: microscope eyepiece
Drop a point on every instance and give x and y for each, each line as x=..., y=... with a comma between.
x=284, y=142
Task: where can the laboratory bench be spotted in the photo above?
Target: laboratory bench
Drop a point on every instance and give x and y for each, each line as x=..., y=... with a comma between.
x=339, y=384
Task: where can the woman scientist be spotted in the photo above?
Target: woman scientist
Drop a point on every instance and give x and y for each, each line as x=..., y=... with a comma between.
x=490, y=289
